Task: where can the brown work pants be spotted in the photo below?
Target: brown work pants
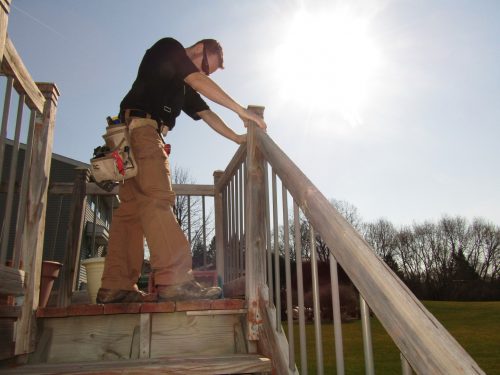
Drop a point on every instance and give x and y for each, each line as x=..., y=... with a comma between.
x=146, y=210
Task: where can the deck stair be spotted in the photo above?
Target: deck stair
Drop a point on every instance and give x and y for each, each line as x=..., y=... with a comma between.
x=189, y=337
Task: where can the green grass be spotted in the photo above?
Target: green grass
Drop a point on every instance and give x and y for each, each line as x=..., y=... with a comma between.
x=475, y=325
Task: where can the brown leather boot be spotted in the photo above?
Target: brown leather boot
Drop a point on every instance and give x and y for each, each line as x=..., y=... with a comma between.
x=187, y=291
x=123, y=296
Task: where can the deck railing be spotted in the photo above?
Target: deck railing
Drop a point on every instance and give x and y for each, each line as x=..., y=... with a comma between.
x=25, y=193
x=425, y=345
x=193, y=211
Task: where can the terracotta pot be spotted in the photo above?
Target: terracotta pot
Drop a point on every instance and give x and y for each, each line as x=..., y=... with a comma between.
x=95, y=268
x=50, y=272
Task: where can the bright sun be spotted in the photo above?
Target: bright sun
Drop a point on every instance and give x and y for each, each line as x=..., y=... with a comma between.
x=328, y=62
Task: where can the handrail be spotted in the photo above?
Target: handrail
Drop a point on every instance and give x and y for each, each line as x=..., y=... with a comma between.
x=423, y=341
x=232, y=167
x=13, y=65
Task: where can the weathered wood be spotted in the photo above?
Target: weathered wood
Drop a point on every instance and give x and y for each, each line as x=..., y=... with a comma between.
x=193, y=189
x=34, y=226
x=187, y=365
x=41, y=354
x=255, y=235
x=192, y=335
x=12, y=180
x=73, y=240
x=9, y=311
x=23, y=201
x=423, y=341
x=219, y=230
x=4, y=21
x=7, y=335
x=145, y=336
x=232, y=167
x=272, y=344
x=179, y=189
x=12, y=281
x=13, y=65
x=91, y=338
x=216, y=312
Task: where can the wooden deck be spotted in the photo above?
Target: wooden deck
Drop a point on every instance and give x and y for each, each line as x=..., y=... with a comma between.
x=199, y=365
x=186, y=337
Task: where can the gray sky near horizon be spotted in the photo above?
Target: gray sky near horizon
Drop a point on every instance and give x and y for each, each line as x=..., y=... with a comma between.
x=393, y=106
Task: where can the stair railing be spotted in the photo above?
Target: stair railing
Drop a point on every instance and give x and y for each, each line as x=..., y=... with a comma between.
x=25, y=187
x=425, y=345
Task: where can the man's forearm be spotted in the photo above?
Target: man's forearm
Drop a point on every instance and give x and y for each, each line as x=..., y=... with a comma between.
x=205, y=86
x=217, y=124
x=212, y=91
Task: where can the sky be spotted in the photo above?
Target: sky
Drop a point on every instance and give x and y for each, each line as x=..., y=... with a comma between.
x=390, y=105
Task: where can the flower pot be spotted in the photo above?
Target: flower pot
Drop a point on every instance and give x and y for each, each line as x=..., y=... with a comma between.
x=50, y=272
x=95, y=268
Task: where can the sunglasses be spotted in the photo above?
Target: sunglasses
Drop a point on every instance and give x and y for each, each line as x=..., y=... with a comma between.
x=204, y=62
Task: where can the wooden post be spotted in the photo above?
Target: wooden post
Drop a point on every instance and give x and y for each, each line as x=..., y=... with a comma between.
x=255, y=233
x=4, y=21
x=219, y=230
x=74, y=238
x=34, y=226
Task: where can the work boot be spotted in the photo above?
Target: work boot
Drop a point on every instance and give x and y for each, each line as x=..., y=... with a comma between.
x=187, y=291
x=123, y=296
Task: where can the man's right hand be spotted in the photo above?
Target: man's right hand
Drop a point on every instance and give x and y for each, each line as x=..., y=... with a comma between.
x=245, y=114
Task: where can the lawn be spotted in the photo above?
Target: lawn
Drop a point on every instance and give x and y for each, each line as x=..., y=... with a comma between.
x=475, y=325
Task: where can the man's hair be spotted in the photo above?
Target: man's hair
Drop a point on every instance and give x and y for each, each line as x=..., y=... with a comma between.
x=213, y=47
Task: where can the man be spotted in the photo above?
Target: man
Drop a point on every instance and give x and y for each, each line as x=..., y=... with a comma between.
x=168, y=81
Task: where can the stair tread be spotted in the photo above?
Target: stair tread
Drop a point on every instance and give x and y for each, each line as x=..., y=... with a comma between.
x=221, y=364
x=137, y=308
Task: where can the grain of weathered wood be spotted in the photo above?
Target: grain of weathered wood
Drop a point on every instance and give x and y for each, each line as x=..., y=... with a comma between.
x=272, y=344
x=187, y=365
x=4, y=21
x=13, y=65
x=12, y=281
x=22, y=208
x=423, y=341
x=255, y=234
x=179, y=189
x=34, y=226
x=91, y=338
x=7, y=335
x=145, y=336
x=9, y=311
x=232, y=167
x=178, y=334
x=219, y=230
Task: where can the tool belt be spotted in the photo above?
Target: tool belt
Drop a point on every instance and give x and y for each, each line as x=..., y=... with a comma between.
x=113, y=162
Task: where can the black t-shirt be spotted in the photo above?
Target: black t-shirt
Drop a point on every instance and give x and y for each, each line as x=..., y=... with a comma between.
x=159, y=88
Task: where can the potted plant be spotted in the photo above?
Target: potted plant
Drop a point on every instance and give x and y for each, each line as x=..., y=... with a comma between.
x=94, y=265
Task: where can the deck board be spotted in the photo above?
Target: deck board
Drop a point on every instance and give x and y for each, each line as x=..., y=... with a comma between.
x=200, y=365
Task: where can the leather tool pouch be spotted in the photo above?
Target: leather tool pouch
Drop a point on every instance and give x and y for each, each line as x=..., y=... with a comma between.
x=115, y=161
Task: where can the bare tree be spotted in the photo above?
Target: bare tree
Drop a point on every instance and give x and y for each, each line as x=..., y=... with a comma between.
x=348, y=212
x=484, y=249
x=381, y=235
x=189, y=212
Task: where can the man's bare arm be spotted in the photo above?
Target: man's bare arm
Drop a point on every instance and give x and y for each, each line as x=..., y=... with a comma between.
x=217, y=124
x=205, y=86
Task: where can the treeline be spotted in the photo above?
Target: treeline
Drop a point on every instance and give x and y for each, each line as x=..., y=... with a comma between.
x=452, y=259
